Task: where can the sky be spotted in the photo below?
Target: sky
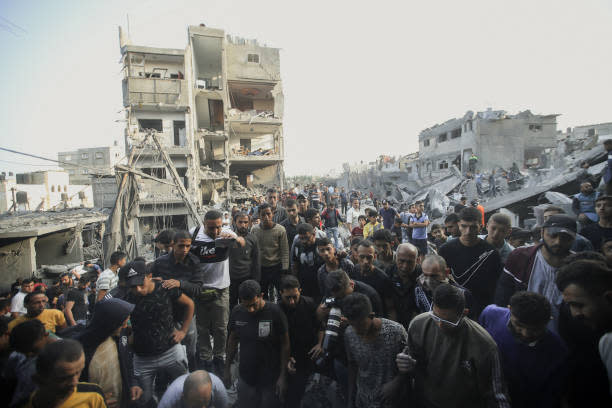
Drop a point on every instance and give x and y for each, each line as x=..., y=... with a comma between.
x=360, y=79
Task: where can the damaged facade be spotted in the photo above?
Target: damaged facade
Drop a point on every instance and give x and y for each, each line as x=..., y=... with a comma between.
x=216, y=108
x=498, y=140
x=495, y=137
x=47, y=242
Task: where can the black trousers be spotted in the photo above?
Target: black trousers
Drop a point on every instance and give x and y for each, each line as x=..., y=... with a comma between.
x=270, y=277
x=233, y=290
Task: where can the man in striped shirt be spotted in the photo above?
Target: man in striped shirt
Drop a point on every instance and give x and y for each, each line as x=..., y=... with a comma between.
x=109, y=278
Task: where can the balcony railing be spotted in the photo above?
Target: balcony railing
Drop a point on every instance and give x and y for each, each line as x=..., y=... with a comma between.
x=154, y=90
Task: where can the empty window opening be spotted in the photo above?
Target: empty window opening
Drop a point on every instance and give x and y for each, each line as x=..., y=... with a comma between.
x=456, y=133
x=182, y=172
x=591, y=132
x=443, y=137
x=159, y=172
x=535, y=127
x=253, y=58
x=215, y=108
x=155, y=124
x=426, y=142
x=180, y=137
x=443, y=165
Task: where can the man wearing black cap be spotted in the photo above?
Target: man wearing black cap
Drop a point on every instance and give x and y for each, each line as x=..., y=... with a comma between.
x=157, y=345
x=534, y=268
x=601, y=231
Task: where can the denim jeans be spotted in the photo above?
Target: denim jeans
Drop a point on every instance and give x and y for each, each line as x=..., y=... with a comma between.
x=172, y=363
x=261, y=396
x=190, y=342
x=332, y=233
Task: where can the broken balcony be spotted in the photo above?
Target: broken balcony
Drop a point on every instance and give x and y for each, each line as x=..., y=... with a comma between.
x=254, y=102
x=161, y=92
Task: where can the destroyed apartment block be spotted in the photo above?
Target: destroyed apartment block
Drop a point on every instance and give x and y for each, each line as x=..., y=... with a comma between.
x=497, y=139
x=216, y=109
x=542, y=164
x=47, y=242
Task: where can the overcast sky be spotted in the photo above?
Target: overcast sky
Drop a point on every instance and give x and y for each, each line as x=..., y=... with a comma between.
x=359, y=80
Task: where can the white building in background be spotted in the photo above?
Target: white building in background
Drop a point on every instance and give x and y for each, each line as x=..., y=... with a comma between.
x=43, y=191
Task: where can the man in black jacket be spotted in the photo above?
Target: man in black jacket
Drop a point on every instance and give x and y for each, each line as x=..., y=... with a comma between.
x=244, y=261
x=181, y=269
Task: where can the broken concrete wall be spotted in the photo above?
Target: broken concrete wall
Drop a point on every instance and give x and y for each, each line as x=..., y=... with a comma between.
x=268, y=175
x=240, y=66
x=51, y=248
x=17, y=260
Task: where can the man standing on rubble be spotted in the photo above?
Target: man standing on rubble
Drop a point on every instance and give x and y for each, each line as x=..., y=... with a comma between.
x=583, y=204
x=472, y=162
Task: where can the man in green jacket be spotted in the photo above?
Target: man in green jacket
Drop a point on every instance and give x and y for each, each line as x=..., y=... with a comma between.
x=453, y=360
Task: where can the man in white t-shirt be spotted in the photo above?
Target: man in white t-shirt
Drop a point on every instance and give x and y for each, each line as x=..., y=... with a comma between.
x=17, y=306
x=211, y=243
x=353, y=213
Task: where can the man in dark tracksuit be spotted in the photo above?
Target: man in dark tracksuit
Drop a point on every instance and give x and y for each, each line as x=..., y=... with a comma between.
x=180, y=268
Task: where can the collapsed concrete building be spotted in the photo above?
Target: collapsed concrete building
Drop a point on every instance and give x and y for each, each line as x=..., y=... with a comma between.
x=216, y=109
x=498, y=140
x=548, y=164
x=45, y=242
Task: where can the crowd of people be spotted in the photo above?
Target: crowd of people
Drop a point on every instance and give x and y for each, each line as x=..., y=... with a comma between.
x=313, y=299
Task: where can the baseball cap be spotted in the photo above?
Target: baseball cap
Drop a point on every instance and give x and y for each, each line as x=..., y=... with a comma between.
x=558, y=223
x=136, y=272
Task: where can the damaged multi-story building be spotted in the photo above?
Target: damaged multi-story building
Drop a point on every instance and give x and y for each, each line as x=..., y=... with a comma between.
x=495, y=137
x=216, y=107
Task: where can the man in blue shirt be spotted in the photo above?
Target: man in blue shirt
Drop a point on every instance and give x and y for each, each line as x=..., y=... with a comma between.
x=419, y=222
x=533, y=359
x=388, y=215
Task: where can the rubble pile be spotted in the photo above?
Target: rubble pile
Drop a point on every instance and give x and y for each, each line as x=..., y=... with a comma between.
x=517, y=191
